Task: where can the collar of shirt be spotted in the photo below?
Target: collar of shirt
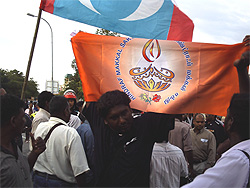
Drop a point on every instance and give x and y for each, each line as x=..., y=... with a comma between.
x=176, y=119
x=201, y=131
x=55, y=120
x=44, y=112
x=243, y=145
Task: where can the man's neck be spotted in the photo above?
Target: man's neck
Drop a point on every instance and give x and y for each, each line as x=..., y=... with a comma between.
x=234, y=139
x=197, y=131
x=6, y=140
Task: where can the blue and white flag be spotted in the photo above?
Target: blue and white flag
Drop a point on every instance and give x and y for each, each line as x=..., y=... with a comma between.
x=152, y=19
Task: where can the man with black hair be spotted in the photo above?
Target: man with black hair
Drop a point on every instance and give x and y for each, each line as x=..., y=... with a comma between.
x=123, y=144
x=43, y=114
x=180, y=136
x=15, y=169
x=168, y=164
x=64, y=162
x=215, y=127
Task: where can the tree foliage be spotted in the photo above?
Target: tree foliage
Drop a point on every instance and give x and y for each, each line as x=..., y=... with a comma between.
x=73, y=81
x=12, y=82
x=106, y=32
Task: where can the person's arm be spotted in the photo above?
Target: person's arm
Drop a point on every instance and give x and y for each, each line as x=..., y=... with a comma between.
x=188, y=152
x=242, y=65
x=38, y=146
x=189, y=157
x=212, y=151
x=84, y=180
x=224, y=146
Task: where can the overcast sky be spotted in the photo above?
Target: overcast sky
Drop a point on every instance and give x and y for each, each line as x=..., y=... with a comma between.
x=216, y=21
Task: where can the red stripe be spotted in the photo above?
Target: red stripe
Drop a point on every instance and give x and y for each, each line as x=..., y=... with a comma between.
x=181, y=27
x=47, y=5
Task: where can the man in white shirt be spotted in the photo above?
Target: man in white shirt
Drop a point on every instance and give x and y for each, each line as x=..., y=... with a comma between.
x=64, y=162
x=167, y=165
x=43, y=114
x=232, y=169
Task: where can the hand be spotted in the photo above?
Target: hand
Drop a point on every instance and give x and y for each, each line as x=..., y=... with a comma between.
x=244, y=60
x=246, y=40
x=38, y=145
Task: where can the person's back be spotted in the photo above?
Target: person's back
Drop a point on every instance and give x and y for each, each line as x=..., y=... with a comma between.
x=168, y=164
x=180, y=136
x=64, y=161
x=232, y=169
x=216, y=128
x=43, y=114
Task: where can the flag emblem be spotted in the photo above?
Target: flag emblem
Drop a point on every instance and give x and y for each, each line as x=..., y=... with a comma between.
x=152, y=79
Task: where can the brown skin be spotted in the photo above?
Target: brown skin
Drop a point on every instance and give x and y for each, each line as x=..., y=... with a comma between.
x=199, y=123
x=210, y=118
x=241, y=65
x=13, y=128
x=64, y=115
x=71, y=102
x=38, y=146
x=119, y=119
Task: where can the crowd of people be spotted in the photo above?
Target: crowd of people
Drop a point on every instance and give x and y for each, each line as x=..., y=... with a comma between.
x=107, y=144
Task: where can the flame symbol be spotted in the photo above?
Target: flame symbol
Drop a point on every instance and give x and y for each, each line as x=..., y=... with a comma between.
x=144, y=77
x=150, y=44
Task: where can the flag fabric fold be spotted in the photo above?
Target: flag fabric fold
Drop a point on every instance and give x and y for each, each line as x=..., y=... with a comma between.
x=153, y=19
x=159, y=75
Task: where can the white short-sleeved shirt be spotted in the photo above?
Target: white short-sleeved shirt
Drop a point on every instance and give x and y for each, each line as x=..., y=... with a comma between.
x=167, y=165
x=231, y=170
x=64, y=155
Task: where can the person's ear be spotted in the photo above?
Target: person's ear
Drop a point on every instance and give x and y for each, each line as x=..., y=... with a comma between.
x=13, y=121
x=230, y=124
x=46, y=105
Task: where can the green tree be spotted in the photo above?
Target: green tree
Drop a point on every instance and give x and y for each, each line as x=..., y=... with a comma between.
x=12, y=82
x=73, y=81
x=106, y=32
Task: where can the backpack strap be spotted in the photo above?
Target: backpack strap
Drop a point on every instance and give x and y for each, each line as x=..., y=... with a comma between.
x=248, y=184
x=50, y=131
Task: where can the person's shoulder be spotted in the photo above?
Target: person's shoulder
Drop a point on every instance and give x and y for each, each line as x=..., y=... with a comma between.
x=175, y=148
x=69, y=130
x=209, y=133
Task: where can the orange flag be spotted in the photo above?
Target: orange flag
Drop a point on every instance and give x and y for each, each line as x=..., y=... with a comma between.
x=159, y=75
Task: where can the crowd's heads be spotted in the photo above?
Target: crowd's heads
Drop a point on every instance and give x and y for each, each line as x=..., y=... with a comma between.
x=59, y=107
x=237, y=119
x=43, y=98
x=111, y=99
x=210, y=117
x=10, y=106
x=199, y=121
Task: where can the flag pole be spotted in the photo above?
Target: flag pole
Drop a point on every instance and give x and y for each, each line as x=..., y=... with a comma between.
x=31, y=54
